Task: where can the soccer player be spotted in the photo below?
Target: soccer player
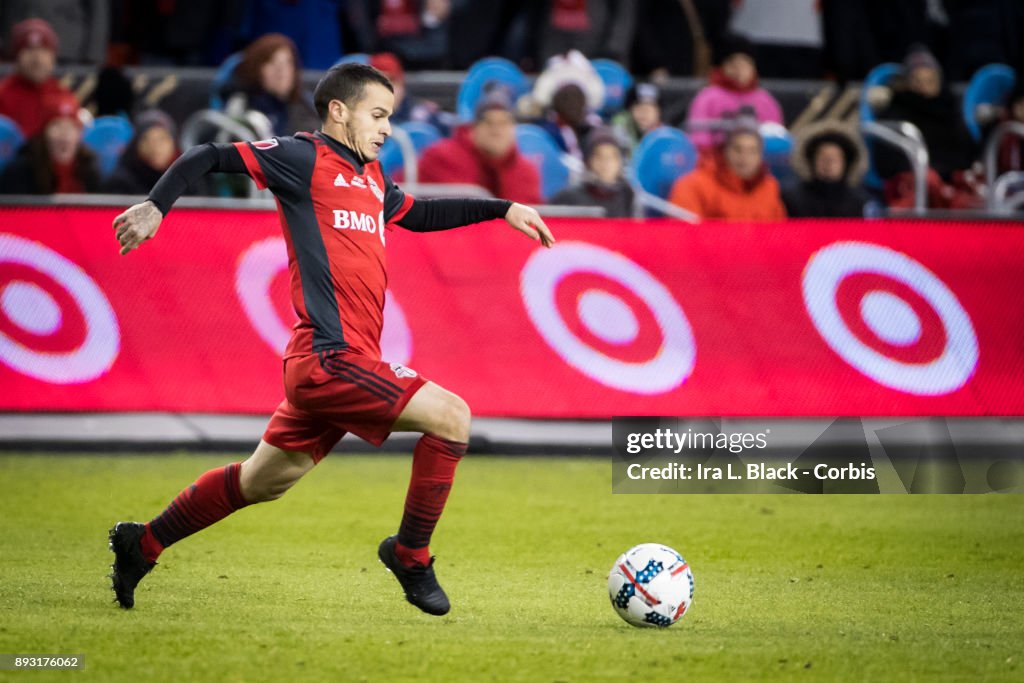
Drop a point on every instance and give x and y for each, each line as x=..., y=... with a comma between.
x=334, y=202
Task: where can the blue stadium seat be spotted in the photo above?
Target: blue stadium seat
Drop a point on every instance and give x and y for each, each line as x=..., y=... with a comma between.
x=537, y=146
x=617, y=81
x=882, y=74
x=221, y=79
x=11, y=140
x=778, y=144
x=354, y=57
x=989, y=85
x=107, y=137
x=662, y=156
x=483, y=72
x=422, y=134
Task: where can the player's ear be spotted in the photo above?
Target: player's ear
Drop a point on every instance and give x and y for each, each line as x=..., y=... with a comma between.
x=337, y=111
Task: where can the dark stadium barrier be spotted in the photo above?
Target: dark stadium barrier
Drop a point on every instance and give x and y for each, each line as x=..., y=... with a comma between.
x=803, y=318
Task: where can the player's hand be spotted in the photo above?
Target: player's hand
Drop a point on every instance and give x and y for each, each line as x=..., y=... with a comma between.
x=526, y=220
x=136, y=225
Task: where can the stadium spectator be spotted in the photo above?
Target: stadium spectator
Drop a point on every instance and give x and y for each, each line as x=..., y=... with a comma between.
x=54, y=160
x=485, y=154
x=732, y=183
x=1011, y=150
x=597, y=28
x=830, y=160
x=415, y=30
x=408, y=108
x=83, y=25
x=733, y=86
x=569, y=91
x=113, y=95
x=31, y=90
x=641, y=113
x=148, y=154
x=672, y=36
x=269, y=80
x=925, y=101
x=603, y=184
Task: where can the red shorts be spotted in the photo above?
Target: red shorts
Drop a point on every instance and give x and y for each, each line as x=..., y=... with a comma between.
x=332, y=393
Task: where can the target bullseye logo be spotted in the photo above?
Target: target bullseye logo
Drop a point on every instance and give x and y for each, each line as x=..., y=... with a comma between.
x=890, y=318
x=609, y=318
x=266, y=261
x=56, y=325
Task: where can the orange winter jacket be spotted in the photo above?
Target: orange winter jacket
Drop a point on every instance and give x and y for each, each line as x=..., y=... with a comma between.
x=713, y=191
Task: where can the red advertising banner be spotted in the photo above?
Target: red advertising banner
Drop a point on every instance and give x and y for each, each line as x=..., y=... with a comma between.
x=803, y=318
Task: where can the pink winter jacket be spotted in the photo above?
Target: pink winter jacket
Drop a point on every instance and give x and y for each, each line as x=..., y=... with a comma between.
x=714, y=100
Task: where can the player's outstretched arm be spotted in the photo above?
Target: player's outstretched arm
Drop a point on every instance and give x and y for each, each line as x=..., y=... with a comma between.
x=526, y=220
x=136, y=225
x=428, y=215
x=140, y=222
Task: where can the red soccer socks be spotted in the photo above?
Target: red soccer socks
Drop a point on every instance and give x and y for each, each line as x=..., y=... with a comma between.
x=213, y=496
x=433, y=469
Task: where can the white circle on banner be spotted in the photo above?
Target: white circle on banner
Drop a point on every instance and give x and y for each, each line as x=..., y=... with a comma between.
x=667, y=369
x=891, y=318
x=265, y=260
x=608, y=317
x=257, y=268
x=33, y=309
x=827, y=269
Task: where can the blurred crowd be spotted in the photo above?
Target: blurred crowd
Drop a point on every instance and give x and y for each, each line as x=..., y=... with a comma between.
x=829, y=170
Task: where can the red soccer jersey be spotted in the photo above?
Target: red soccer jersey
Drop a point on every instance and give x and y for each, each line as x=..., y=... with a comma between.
x=333, y=213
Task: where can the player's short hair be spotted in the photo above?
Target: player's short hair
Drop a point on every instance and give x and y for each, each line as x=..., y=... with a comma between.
x=346, y=82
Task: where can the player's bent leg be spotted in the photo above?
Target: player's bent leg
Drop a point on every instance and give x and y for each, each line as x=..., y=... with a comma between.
x=270, y=472
x=444, y=419
x=437, y=411
x=266, y=475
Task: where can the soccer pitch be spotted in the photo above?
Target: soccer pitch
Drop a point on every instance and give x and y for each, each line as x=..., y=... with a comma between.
x=787, y=587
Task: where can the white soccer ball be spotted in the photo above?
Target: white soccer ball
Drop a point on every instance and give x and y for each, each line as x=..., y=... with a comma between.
x=651, y=585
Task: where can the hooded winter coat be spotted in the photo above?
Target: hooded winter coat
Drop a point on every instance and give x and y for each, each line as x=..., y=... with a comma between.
x=810, y=197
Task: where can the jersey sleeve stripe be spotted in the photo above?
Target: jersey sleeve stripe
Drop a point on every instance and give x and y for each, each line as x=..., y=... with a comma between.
x=404, y=209
x=251, y=164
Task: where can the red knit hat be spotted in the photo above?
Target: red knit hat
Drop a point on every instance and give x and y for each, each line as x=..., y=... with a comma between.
x=62, y=107
x=33, y=33
x=388, y=64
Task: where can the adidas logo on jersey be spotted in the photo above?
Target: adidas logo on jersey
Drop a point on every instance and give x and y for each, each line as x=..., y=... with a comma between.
x=340, y=181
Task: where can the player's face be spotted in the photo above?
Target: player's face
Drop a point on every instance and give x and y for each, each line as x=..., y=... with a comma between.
x=367, y=124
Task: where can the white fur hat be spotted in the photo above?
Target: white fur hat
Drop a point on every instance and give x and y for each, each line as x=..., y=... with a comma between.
x=561, y=70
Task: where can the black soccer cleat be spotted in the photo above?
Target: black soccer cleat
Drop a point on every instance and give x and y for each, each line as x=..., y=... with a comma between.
x=129, y=565
x=419, y=583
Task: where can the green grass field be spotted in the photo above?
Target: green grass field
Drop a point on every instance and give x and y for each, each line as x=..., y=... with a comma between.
x=787, y=587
